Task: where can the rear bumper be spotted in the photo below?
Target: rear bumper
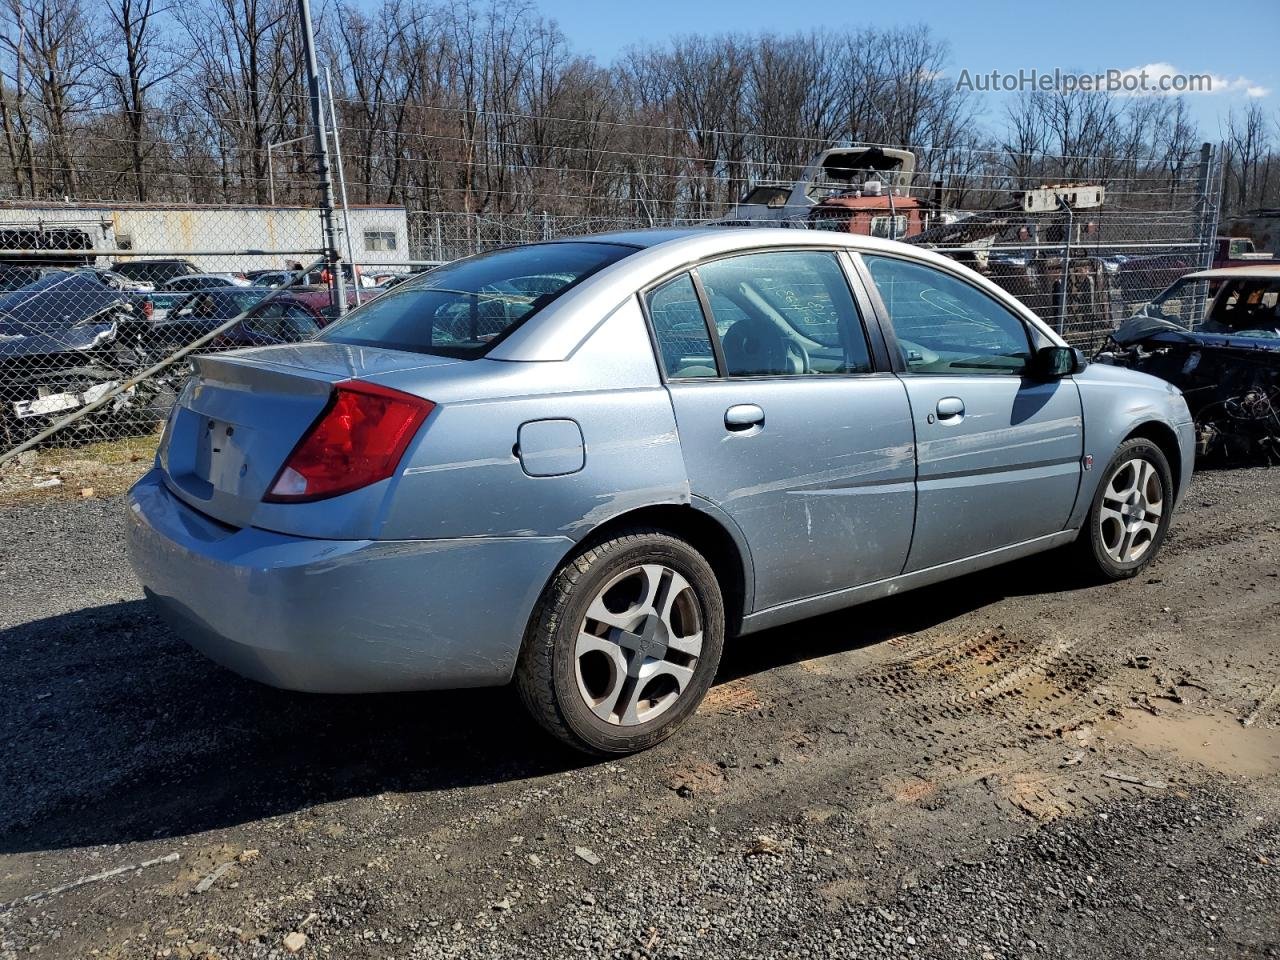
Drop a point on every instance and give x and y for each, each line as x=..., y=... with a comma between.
x=338, y=616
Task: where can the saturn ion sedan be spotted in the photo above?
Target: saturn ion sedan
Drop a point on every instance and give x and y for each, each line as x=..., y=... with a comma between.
x=587, y=464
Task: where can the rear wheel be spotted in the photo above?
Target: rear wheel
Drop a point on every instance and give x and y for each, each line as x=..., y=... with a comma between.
x=1130, y=513
x=624, y=643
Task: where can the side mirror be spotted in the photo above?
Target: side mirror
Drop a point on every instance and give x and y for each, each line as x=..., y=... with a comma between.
x=1054, y=363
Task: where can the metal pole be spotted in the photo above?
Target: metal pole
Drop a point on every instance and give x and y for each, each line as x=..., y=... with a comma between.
x=1214, y=187
x=1202, y=205
x=342, y=183
x=337, y=292
x=1066, y=266
x=271, y=178
x=1205, y=238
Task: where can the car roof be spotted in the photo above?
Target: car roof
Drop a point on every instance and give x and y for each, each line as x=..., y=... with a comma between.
x=562, y=325
x=1261, y=271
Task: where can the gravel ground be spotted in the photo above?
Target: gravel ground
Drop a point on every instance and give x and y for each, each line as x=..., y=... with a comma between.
x=1015, y=764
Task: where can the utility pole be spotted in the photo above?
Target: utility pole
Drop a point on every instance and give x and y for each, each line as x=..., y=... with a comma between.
x=1065, y=284
x=337, y=291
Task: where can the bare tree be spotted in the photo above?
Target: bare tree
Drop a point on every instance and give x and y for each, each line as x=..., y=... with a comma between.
x=54, y=43
x=1249, y=147
x=134, y=67
x=15, y=105
x=237, y=70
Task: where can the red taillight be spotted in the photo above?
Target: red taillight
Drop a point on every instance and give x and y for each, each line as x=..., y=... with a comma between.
x=358, y=439
x=148, y=308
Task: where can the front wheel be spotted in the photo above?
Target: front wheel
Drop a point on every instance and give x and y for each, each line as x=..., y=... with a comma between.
x=624, y=643
x=1130, y=513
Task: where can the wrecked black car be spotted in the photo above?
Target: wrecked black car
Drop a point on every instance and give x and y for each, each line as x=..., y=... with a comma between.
x=1215, y=335
x=67, y=340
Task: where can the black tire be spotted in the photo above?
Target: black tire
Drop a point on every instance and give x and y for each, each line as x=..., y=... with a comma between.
x=547, y=675
x=1092, y=545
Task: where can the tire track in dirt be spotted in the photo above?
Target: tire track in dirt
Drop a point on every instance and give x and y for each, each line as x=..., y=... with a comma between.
x=996, y=706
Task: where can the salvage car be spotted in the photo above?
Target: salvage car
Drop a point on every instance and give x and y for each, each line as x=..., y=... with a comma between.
x=1215, y=334
x=583, y=464
x=269, y=317
x=67, y=340
x=155, y=272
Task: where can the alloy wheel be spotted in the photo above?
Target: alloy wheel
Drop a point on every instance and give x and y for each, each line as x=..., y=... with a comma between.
x=638, y=645
x=1132, y=505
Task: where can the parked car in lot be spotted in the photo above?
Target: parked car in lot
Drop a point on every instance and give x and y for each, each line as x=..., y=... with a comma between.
x=155, y=272
x=155, y=306
x=583, y=464
x=282, y=318
x=204, y=281
x=1215, y=334
x=1239, y=252
x=271, y=278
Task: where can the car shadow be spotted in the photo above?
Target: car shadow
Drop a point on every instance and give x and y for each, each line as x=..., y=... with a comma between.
x=117, y=732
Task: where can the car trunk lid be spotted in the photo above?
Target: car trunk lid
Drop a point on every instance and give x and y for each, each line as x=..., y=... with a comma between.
x=242, y=414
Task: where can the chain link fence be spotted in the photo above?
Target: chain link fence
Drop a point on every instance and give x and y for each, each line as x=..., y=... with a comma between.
x=101, y=306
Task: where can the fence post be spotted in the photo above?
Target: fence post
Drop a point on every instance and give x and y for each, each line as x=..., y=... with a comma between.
x=1065, y=279
x=439, y=241
x=1203, y=218
x=1206, y=207
x=546, y=226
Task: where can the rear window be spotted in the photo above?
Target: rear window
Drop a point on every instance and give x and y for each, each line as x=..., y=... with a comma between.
x=462, y=309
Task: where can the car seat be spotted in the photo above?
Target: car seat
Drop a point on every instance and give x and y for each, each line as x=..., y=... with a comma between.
x=755, y=346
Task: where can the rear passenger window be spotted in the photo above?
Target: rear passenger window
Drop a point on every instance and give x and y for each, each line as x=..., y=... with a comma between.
x=785, y=313
x=681, y=329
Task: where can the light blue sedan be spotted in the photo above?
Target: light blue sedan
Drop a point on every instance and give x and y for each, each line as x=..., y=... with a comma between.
x=584, y=464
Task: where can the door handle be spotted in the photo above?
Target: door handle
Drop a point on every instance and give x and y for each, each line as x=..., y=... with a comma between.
x=743, y=416
x=949, y=408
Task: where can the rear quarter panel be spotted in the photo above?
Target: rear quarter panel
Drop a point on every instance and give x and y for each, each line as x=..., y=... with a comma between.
x=464, y=478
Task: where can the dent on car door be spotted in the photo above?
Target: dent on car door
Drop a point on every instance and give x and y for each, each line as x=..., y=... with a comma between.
x=998, y=453
x=784, y=423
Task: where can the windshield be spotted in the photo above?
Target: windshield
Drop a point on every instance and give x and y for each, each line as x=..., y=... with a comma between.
x=1183, y=303
x=462, y=309
x=1246, y=307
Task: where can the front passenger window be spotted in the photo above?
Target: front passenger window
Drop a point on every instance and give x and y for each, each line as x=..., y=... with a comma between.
x=944, y=325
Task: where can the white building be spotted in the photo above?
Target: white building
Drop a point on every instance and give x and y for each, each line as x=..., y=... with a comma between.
x=214, y=237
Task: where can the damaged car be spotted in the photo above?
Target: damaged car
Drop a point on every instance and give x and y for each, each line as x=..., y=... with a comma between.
x=66, y=341
x=1215, y=334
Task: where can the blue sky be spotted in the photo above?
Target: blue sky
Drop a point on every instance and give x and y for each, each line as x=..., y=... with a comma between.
x=1236, y=41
